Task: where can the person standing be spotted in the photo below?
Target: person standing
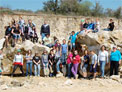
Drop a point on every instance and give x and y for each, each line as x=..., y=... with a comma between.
x=115, y=60
x=64, y=50
x=45, y=29
x=93, y=67
x=76, y=60
x=45, y=63
x=18, y=62
x=69, y=63
x=103, y=59
x=29, y=62
x=36, y=61
x=1, y=65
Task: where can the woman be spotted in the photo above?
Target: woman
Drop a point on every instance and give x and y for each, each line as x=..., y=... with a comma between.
x=29, y=62
x=75, y=62
x=16, y=32
x=85, y=63
x=51, y=58
x=45, y=63
x=36, y=61
x=115, y=60
x=103, y=59
x=18, y=62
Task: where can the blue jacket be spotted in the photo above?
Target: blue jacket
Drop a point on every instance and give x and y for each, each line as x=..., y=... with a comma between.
x=73, y=37
x=115, y=56
x=91, y=26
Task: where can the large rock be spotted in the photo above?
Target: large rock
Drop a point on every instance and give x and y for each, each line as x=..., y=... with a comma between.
x=2, y=43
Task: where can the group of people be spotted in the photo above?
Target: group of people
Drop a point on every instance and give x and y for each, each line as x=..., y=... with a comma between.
x=62, y=55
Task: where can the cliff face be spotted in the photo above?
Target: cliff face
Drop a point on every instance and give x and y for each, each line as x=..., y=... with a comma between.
x=61, y=26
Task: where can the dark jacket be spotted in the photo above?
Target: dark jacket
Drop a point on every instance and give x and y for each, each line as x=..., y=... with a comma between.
x=45, y=29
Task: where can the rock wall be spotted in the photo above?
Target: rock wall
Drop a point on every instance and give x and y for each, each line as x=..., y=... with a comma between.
x=61, y=26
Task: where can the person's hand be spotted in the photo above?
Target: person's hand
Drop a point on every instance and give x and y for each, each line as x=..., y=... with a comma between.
x=120, y=62
x=94, y=66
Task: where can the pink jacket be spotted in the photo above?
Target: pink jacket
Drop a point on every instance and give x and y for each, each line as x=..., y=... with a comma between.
x=76, y=60
x=69, y=59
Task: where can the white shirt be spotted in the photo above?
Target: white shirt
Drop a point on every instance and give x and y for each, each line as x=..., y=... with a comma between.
x=47, y=41
x=103, y=56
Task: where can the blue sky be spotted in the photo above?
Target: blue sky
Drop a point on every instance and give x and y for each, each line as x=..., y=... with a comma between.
x=38, y=4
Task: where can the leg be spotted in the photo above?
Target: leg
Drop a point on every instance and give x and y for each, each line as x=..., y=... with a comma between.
x=73, y=70
x=38, y=69
x=27, y=68
x=21, y=68
x=111, y=68
x=69, y=70
x=116, y=67
x=31, y=68
x=35, y=70
x=103, y=68
x=58, y=65
x=14, y=69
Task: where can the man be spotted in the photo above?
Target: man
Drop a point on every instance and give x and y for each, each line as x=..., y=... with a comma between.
x=45, y=29
x=72, y=39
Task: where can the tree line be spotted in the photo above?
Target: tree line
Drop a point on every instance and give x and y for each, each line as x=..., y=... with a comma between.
x=80, y=7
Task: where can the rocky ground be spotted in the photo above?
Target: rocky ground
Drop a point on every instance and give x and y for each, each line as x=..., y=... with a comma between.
x=41, y=84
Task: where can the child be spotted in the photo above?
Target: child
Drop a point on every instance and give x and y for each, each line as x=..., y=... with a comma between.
x=93, y=67
x=76, y=60
x=51, y=58
x=45, y=63
x=1, y=57
x=69, y=63
x=64, y=50
x=36, y=61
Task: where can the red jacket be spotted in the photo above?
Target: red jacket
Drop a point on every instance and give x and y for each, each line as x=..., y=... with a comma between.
x=76, y=60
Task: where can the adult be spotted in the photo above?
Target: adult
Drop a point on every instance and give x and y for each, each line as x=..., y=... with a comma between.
x=75, y=61
x=115, y=60
x=94, y=61
x=72, y=39
x=8, y=30
x=18, y=62
x=36, y=61
x=29, y=62
x=111, y=25
x=16, y=32
x=45, y=29
x=103, y=59
x=86, y=24
x=47, y=41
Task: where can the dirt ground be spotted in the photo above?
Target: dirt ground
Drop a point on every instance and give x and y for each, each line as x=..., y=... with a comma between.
x=41, y=84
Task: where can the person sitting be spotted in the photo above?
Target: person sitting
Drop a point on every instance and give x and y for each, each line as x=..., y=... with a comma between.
x=16, y=32
x=86, y=24
x=111, y=25
x=72, y=39
x=8, y=34
x=91, y=26
x=97, y=26
x=45, y=29
x=18, y=62
x=47, y=41
x=26, y=31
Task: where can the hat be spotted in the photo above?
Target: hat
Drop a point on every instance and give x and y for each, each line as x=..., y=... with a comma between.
x=82, y=20
x=114, y=46
x=18, y=50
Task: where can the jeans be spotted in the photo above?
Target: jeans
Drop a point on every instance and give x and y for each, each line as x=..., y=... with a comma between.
x=29, y=66
x=58, y=64
x=102, y=67
x=37, y=70
x=114, y=66
x=72, y=46
x=69, y=70
x=64, y=55
x=75, y=69
x=15, y=67
x=43, y=35
x=49, y=45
